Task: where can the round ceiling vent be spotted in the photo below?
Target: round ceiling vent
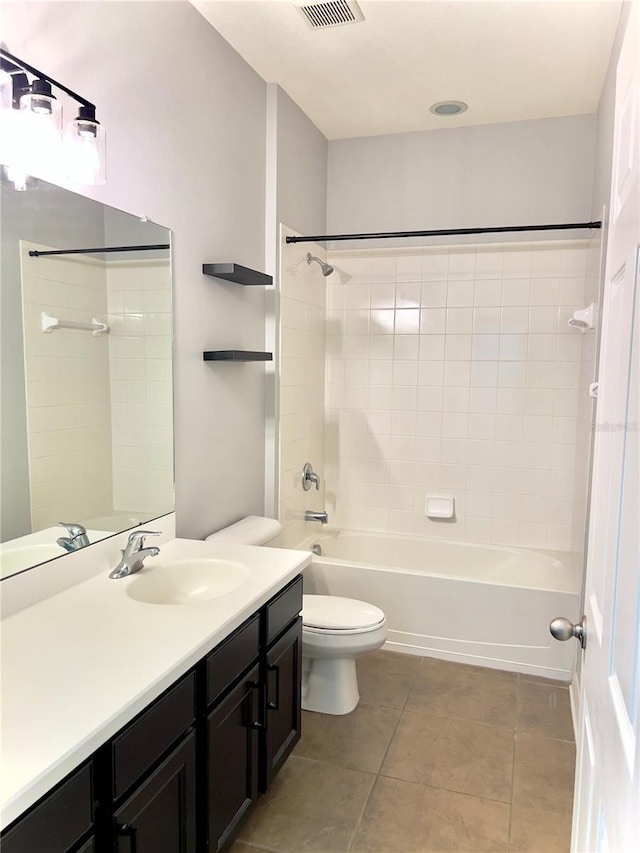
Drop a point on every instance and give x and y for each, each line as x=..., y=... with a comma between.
x=448, y=108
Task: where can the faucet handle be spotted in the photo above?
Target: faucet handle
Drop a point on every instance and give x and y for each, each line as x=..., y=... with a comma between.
x=72, y=528
x=309, y=476
x=136, y=537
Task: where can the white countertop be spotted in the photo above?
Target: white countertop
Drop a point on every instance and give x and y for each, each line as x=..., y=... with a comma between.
x=79, y=665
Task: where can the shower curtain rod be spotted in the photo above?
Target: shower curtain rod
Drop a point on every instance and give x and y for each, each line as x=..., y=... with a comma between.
x=35, y=253
x=384, y=235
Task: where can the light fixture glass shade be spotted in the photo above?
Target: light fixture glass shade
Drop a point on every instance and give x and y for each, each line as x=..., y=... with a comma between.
x=85, y=143
x=8, y=130
x=37, y=134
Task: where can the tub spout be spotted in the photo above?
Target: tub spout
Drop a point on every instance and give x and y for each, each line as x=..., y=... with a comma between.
x=310, y=515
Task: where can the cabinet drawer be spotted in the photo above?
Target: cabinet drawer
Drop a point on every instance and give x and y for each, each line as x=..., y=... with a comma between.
x=283, y=609
x=148, y=737
x=232, y=657
x=58, y=822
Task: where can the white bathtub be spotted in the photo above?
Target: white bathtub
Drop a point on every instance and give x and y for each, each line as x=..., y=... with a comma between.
x=479, y=604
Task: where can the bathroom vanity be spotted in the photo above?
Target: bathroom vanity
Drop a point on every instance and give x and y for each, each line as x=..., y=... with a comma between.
x=165, y=723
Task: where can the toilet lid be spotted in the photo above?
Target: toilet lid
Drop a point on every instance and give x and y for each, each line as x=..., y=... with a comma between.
x=333, y=612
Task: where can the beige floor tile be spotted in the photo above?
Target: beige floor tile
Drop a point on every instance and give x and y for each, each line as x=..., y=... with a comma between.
x=241, y=847
x=358, y=740
x=385, y=678
x=402, y=817
x=443, y=689
x=535, y=831
x=544, y=709
x=453, y=754
x=310, y=808
x=543, y=774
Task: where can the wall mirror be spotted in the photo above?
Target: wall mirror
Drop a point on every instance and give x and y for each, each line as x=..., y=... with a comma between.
x=86, y=373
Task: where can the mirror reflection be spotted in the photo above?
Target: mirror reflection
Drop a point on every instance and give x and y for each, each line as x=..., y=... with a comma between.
x=86, y=383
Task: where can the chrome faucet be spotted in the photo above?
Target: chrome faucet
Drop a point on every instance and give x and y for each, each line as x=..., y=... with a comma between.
x=134, y=554
x=309, y=476
x=311, y=515
x=76, y=539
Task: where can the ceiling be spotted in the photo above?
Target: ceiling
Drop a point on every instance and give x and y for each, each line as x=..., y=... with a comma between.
x=509, y=61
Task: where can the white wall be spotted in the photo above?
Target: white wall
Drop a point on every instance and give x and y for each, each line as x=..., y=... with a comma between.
x=503, y=174
x=604, y=122
x=302, y=153
x=296, y=197
x=303, y=298
x=185, y=121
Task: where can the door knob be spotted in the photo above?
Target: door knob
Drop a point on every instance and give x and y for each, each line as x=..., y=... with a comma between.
x=563, y=629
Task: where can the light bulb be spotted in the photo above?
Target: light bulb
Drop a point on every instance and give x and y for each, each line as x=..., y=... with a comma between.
x=85, y=144
x=38, y=133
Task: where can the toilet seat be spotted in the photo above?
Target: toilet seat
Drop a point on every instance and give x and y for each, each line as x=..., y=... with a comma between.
x=333, y=615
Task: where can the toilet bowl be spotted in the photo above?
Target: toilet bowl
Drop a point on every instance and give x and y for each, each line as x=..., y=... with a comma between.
x=335, y=631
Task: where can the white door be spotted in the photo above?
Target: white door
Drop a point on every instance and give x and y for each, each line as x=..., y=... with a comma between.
x=607, y=804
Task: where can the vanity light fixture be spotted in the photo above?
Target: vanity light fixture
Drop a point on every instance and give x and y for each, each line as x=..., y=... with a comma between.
x=32, y=141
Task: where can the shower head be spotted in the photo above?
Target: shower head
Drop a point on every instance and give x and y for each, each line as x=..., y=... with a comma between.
x=327, y=269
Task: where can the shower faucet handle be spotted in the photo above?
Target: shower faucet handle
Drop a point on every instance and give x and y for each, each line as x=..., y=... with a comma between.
x=309, y=476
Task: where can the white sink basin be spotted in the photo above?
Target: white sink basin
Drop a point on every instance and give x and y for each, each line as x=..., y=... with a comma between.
x=187, y=581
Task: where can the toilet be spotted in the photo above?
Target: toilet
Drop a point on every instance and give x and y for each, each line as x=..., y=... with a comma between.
x=335, y=631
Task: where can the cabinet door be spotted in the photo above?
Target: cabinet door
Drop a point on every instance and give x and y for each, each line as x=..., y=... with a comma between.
x=283, y=687
x=232, y=733
x=61, y=819
x=160, y=817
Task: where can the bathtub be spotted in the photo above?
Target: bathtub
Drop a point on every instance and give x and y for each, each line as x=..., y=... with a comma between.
x=479, y=604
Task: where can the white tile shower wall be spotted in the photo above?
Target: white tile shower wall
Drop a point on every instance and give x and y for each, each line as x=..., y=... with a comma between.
x=140, y=349
x=68, y=412
x=303, y=295
x=452, y=370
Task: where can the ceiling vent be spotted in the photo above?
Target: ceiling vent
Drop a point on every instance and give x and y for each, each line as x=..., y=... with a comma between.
x=333, y=13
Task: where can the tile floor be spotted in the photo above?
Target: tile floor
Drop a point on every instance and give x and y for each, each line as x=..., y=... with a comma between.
x=437, y=757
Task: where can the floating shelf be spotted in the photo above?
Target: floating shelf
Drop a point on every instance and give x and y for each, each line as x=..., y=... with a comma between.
x=236, y=355
x=238, y=274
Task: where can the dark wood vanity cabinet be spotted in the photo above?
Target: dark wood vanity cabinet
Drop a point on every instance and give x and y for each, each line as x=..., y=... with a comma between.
x=233, y=730
x=253, y=726
x=161, y=815
x=283, y=676
x=182, y=775
x=60, y=822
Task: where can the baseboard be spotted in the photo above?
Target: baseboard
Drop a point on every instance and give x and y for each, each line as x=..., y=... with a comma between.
x=475, y=659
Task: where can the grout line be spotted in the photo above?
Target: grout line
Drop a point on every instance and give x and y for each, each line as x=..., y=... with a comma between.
x=434, y=716
x=354, y=833
x=448, y=790
x=377, y=775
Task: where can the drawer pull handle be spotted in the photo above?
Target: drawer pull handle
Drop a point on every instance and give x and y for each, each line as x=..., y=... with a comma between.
x=130, y=833
x=274, y=706
x=254, y=724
